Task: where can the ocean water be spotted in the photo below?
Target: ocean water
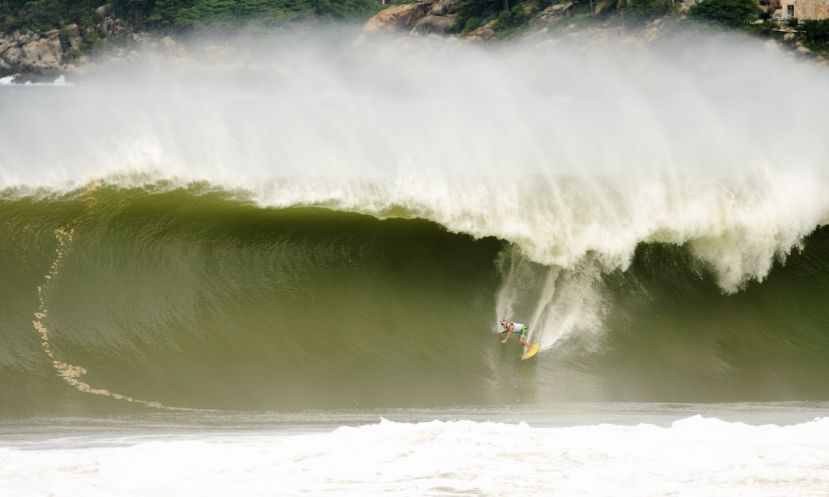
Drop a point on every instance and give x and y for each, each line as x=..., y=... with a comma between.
x=276, y=268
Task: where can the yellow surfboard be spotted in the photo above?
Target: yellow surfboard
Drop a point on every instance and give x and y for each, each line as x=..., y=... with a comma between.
x=531, y=351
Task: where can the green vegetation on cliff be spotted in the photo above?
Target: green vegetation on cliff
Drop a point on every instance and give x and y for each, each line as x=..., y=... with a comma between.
x=43, y=15
x=816, y=35
x=514, y=13
x=735, y=13
x=231, y=13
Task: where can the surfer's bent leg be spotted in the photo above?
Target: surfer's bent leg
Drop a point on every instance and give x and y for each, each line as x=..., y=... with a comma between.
x=522, y=338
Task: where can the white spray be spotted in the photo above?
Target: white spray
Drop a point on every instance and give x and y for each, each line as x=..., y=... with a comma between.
x=574, y=153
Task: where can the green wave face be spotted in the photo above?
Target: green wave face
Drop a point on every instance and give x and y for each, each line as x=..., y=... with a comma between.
x=202, y=300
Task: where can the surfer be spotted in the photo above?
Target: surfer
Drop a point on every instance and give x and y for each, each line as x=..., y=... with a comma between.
x=511, y=327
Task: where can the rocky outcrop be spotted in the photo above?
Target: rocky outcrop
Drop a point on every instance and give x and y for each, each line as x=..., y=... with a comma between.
x=398, y=18
x=34, y=55
x=27, y=52
x=424, y=17
x=104, y=11
x=442, y=24
x=73, y=37
x=110, y=26
x=483, y=33
x=551, y=14
x=420, y=17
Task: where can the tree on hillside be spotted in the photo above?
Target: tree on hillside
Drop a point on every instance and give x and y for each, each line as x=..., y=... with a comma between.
x=648, y=9
x=642, y=9
x=729, y=12
x=44, y=15
x=342, y=9
x=816, y=33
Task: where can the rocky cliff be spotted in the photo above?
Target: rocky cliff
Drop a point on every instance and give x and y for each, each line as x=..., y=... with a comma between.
x=441, y=17
x=32, y=55
x=420, y=17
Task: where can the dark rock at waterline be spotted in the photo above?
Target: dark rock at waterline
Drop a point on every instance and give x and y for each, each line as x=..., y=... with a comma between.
x=45, y=53
x=27, y=52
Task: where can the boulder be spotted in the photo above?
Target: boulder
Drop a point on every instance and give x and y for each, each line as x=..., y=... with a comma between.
x=106, y=27
x=433, y=24
x=13, y=56
x=423, y=17
x=484, y=33
x=73, y=36
x=41, y=54
x=109, y=26
x=5, y=43
x=551, y=14
x=437, y=9
x=22, y=38
x=445, y=7
x=450, y=6
x=803, y=49
x=397, y=18
x=103, y=11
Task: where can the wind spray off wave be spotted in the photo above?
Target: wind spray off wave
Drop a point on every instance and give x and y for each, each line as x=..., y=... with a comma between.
x=564, y=150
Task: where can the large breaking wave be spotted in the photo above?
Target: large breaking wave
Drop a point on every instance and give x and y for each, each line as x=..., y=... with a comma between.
x=195, y=233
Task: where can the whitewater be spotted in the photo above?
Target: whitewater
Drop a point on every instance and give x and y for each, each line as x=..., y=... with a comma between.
x=275, y=267
x=688, y=457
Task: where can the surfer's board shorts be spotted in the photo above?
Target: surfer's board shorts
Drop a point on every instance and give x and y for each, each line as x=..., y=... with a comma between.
x=525, y=331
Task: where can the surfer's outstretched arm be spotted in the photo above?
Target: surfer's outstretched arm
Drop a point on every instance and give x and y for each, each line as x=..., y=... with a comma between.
x=510, y=329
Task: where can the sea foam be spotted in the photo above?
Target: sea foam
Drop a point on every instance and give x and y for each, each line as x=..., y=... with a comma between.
x=691, y=457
